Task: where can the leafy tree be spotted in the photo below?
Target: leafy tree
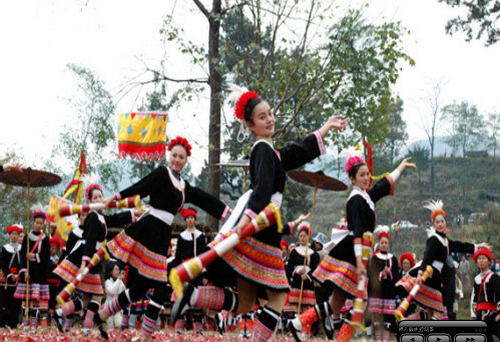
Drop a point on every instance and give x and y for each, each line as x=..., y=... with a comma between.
x=480, y=20
x=493, y=125
x=396, y=135
x=467, y=125
x=15, y=201
x=92, y=128
x=305, y=81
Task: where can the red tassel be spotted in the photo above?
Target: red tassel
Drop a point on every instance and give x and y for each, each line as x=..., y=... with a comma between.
x=369, y=159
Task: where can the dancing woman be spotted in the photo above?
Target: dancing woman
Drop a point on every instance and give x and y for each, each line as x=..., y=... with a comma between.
x=343, y=265
x=95, y=229
x=144, y=245
x=257, y=262
x=438, y=248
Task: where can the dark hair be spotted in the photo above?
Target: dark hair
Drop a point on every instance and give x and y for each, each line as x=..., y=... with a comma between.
x=91, y=190
x=354, y=169
x=249, y=108
x=109, y=268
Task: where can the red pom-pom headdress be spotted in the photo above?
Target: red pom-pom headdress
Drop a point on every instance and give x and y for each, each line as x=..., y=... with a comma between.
x=284, y=244
x=407, y=256
x=305, y=226
x=55, y=242
x=436, y=207
x=239, y=111
x=383, y=234
x=182, y=141
x=91, y=181
x=38, y=211
x=14, y=228
x=185, y=213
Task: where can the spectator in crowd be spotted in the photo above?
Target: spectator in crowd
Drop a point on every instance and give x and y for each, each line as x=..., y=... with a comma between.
x=463, y=270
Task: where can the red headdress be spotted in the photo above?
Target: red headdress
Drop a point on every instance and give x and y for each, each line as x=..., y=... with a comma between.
x=407, y=256
x=485, y=252
x=283, y=243
x=239, y=111
x=304, y=226
x=14, y=228
x=55, y=242
x=91, y=181
x=188, y=212
x=182, y=141
x=383, y=234
x=436, y=207
x=38, y=211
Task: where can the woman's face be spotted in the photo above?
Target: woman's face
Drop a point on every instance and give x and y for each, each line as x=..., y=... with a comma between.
x=406, y=265
x=115, y=272
x=14, y=237
x=483, y=262
x=190, y=221
x=439, y=223
x=303, y=238
x=96, y=196
x=362, y=178
x=38, y=224
x=384, y=244
x=263, y=120
x=318, y=246
x=21, y=237
x=178, y=158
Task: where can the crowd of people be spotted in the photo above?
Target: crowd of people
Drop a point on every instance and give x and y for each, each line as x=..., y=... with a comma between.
x=262, y=284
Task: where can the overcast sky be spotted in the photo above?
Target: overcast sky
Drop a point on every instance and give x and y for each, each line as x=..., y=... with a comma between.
x=115, y=37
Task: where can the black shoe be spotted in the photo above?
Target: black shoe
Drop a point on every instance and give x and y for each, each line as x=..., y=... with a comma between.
x=182, y=303
x=291, y=328
x=58, y=319
x=99, y=324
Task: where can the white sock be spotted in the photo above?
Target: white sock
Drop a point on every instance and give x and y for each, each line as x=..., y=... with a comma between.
x=297, y=323
x=194, y=298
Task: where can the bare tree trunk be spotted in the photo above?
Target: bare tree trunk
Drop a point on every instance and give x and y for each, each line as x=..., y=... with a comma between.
x=215, y=83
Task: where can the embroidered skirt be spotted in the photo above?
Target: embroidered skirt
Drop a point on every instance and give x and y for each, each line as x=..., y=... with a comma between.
x=258, y=263
x=144, y=245
x=36, y=291
x=381, y=306
x=426, y=296
x=91, y=283
x=338, y=268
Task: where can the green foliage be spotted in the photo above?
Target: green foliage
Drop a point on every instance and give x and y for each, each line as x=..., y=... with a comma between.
x=92, y=129
x=467, y=126
x=481, y=19
x=351, y=74
x=15, y=201
x=493, y=126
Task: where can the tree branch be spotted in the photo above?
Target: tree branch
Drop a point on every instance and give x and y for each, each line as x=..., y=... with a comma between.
x=202, y=8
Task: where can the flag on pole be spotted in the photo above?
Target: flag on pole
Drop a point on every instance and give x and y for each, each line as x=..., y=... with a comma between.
x=76, y=185
x=142, y=135
x=73, y=192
